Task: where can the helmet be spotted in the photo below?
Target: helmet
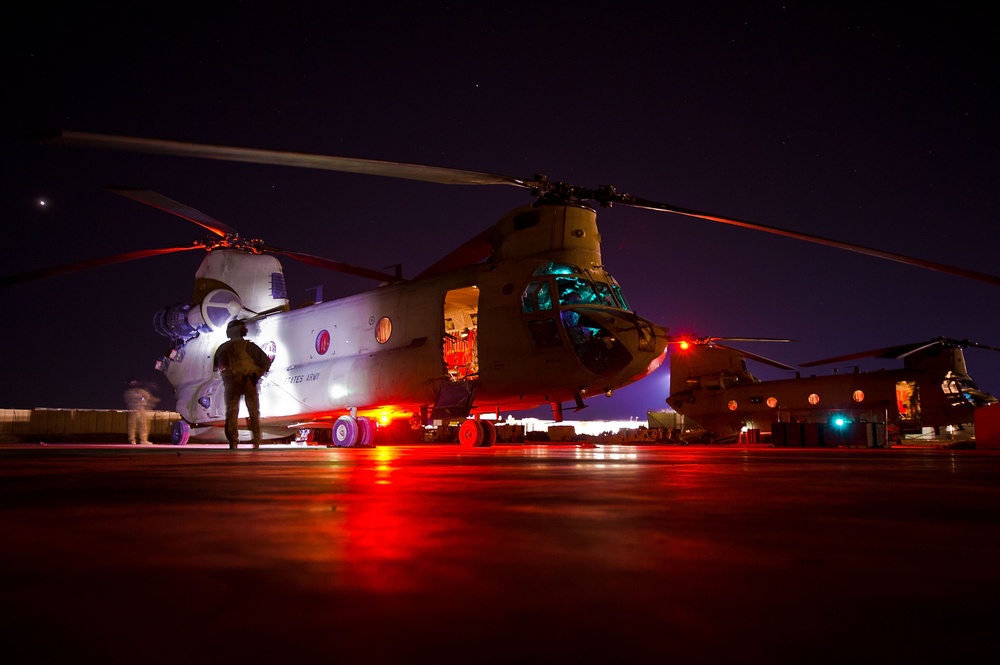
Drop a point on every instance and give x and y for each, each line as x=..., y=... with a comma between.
x=236, y=329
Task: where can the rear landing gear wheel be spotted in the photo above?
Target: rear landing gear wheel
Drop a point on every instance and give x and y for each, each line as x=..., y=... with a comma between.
x=489, y=433
x=366, y=432
x=345, y=432
x=470, y=434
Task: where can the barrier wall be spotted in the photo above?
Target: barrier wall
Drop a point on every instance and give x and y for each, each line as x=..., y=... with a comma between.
x=61, y=424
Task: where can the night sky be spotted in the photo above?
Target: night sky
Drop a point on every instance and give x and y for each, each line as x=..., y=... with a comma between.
x=871, y=126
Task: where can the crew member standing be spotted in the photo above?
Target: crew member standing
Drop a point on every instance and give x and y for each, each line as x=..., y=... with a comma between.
x=242, y=363
x=138, y=401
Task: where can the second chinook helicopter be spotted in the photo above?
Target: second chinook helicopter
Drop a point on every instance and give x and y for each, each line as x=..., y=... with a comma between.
x=710, y=384
x=523, y=314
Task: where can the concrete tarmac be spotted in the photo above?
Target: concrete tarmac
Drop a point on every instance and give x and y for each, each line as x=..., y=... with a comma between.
x=527, y=554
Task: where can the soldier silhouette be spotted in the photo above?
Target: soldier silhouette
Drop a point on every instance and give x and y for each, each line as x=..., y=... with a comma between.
x=241, y=363
x=138, y=401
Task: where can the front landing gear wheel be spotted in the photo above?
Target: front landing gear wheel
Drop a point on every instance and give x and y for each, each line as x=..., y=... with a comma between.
x=180, y=433
x=345, y=432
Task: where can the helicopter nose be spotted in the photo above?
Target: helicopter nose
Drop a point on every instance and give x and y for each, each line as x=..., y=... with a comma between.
x=662, y=338
x=652, y=338
x=651, y=350
x=651, y=345
x=616, y=345
x=659, y=347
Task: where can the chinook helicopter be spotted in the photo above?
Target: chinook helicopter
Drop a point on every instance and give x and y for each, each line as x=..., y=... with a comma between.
x=521, y=315
x=710, y=383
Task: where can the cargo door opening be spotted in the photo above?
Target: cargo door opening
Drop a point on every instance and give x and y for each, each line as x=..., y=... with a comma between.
x=461, y=323
x=908, y=407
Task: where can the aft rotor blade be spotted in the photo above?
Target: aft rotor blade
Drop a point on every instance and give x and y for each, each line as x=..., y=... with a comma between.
x=888, y=352
x=441, y=175
x=473, y=251
x=896, y=352
x=339, y=266
x=165, y=204
x=85, y=265
x=762, y=359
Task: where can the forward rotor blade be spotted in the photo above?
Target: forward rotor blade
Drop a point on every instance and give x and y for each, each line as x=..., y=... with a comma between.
x=859, y=249
x=695, y=339
x=165, y=204
x=605, y=195
x=85, y=265
x=339, y=266
x=977, y=345
x=441, y=175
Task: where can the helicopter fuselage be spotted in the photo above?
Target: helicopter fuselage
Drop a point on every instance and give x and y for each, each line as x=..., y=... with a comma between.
x=934, y=390
x=529, y=327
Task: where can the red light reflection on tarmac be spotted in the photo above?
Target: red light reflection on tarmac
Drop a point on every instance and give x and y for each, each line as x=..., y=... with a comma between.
x=393, y=528
x=412, y=519
x=514, y=552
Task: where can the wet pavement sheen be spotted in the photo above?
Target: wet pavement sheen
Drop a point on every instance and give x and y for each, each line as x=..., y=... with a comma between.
x=509, y=554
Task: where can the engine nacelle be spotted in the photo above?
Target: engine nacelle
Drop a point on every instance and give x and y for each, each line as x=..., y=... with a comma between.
x=721, y=381
x=216, y=310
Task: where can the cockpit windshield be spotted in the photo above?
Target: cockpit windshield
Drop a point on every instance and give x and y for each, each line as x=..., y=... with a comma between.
x=555, y=303
x=576, y=290
x=966, y=389
x=576, y=286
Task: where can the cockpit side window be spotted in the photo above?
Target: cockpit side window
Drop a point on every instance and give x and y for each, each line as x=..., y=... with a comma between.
x=544, y=333
x=537, y=296
x=618, y=294
x=598, y=349
x=607, y=299
x=544, y=296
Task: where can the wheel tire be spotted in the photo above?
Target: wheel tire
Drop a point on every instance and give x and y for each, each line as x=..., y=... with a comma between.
x=470, y=434
x=180, y=433
x=366, y=431
x=345, y=432
x=489, y=433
